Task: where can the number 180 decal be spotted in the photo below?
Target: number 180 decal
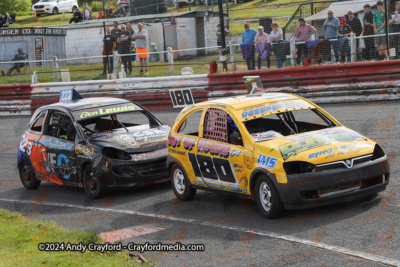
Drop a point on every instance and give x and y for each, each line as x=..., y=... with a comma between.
x=181, y=98
x=212, y=168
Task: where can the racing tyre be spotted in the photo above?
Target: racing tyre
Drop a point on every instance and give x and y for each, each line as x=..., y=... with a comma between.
x=91, y=183
x=27, y=175
x=267, y=197
x=55, y=11
x=181, y=184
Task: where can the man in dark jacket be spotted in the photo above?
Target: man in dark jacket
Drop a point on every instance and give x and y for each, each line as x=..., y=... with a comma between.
x=355, y=25
x=21, y=56
x=124, y=47
x=76, y=17
x=368, y=30
x=109, y=44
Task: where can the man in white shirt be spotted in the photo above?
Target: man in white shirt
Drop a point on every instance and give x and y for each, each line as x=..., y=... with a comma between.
x=141, y=42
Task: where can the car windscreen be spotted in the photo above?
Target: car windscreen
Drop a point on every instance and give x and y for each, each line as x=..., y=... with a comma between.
x=287, y=123
x=133, y=120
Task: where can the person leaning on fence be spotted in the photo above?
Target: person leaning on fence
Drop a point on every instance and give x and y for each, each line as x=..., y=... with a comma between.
x=262, y=47
x=356, y=27
x=380, y=28
x=76, y=17
x=394, y=23
x=20, y=56
x=247, y=47
x=124, y=48
x=154, y=57
x=277, y=40
x=303, y=33
x=344, y=43
x=109, y=44
x=331, y=26
x=368, y=30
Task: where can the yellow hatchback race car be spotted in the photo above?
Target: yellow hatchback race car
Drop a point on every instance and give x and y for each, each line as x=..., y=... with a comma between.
x=279, y=149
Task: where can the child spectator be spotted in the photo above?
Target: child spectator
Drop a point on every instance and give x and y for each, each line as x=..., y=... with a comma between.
x=154, y=57
x=133, y=51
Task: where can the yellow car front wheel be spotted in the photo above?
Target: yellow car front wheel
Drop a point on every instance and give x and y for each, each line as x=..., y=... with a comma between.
x=267, y=197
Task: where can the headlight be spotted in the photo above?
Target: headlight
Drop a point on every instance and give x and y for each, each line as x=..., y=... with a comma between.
x=378, y=152
x=114, y=153
x=298, y=167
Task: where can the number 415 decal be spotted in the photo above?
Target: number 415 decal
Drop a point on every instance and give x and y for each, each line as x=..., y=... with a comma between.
x=212, y=168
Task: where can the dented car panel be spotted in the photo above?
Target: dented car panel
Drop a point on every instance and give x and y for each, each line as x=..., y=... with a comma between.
x=121, y=155
x=311, y=163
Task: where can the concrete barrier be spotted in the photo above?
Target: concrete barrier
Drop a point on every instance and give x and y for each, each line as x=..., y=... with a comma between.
x=355, y=82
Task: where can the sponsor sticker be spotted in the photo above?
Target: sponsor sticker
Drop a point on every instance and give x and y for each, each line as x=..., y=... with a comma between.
x=266, y=162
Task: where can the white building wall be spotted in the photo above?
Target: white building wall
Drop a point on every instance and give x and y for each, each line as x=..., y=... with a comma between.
x=186, y=35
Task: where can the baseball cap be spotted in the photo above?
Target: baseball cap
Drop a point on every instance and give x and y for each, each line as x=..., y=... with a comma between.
x=19, y=49
x=342, y=21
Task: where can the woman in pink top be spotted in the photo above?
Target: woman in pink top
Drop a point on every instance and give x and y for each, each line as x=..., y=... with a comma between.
x=261, y=38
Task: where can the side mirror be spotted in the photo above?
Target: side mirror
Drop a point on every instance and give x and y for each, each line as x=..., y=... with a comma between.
x=236, y=139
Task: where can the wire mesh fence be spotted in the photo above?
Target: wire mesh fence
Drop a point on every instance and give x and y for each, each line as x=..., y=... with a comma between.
x=341, y=32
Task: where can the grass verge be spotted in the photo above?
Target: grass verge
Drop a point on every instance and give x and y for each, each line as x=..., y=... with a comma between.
x=19, y=239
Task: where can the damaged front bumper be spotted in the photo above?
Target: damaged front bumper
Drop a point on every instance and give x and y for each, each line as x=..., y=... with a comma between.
x=334, y=185
x=131, y=173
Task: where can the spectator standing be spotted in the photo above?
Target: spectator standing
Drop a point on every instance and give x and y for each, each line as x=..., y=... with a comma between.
x=154, y=57
x=116, y=31
x=368, y=30
x=247, y=47
x=331, y=26
x=76, y=17
x=303, y=33
x=395, y=26
x=2, y=20
x=20, y=56
x=344, y=45
x=130, y=29
x=277, y=40
x=263, y=47
x=219, y=38
x=141, y=39
x=124, y=47
x=109, y=44
x=356, y=27
x=380, y=28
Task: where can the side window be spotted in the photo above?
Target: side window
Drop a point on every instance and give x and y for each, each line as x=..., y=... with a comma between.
x=37, y=126
x=191, y=125
x=61, y=126
x=216, y=125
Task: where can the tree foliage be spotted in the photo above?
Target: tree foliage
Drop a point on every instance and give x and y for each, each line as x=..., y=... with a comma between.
x=12, y=6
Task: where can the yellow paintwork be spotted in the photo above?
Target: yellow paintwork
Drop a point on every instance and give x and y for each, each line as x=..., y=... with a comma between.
x=329, y=144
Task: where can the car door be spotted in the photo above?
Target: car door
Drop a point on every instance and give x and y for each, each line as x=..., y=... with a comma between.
x=182, y=144
x=58, y=149
x=220, y=163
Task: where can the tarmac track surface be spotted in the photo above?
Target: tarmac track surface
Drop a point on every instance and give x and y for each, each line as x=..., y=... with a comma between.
x=361, y=233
